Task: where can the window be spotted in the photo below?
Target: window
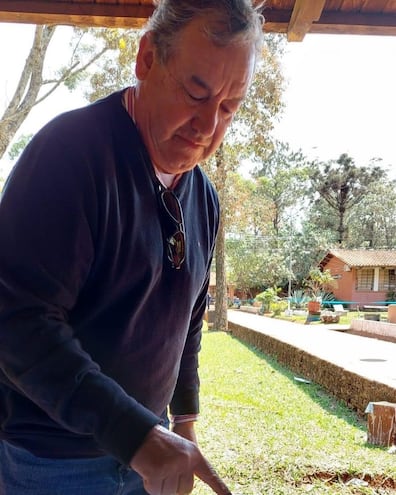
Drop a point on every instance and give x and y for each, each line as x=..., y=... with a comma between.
x=365, y=279
x=387, y=279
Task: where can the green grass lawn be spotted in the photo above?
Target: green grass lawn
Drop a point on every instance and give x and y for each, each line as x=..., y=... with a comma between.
x=267, y=433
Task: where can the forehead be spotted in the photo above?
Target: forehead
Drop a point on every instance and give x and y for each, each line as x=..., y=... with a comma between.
x=196, y=57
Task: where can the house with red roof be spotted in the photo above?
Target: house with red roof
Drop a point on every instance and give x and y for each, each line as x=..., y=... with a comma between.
x=363, y=276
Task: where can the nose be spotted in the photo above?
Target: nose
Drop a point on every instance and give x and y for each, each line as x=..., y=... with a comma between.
x=206, y=119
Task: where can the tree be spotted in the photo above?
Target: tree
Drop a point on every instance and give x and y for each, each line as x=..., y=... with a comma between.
x=259, y=232
x=343, y=185
x=248, y=135
x=220, y=320
x=37, y=81
x=116, y=68
x=248, y=221
x=372, y=224
x=282, y=178
x=248, y=211
x=254, y=265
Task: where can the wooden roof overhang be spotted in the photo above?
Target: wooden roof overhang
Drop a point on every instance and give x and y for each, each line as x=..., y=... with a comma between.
x=296, y=18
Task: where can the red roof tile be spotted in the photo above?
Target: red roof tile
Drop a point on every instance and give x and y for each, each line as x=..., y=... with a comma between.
x=363, y=257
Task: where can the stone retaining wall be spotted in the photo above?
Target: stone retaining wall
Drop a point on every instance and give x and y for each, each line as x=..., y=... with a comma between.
x=354, y=390
x=377, y=329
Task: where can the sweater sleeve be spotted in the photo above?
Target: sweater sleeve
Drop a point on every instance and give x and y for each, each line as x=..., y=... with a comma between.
x=47, y=224
x=186, y=396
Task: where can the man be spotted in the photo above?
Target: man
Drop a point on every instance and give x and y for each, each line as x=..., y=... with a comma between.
x=107, y=229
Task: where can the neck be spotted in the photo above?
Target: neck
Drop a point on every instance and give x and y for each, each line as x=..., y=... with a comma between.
x=167, y=180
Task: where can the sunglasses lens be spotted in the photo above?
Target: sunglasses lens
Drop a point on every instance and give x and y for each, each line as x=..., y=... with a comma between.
x=172, y=206
x=175, y=242
x=176, y=249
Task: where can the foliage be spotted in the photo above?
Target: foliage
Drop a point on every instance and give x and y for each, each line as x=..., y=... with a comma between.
x=39, y=80
x=249, y=211
x=299, y=299
x=261, y=208
x=372, y=224
x=343, y=185
x=282, y=181
x=248, y=133
x=326, y=298
x=117, y=66
x=270, y=295
x=17, y=148
x=319, y=281
x=277, y=307
x=253, y=264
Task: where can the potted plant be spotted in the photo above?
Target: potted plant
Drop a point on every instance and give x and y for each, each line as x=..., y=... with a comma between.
x=317, y=282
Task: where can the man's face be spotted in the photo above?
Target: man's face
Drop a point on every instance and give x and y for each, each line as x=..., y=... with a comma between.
x=189, y=102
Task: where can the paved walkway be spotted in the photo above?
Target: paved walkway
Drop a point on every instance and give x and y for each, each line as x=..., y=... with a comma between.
x=367, y=357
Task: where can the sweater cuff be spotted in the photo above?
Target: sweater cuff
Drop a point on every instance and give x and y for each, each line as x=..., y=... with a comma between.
x=127, y=433
x=186, y=403
x=183, y=418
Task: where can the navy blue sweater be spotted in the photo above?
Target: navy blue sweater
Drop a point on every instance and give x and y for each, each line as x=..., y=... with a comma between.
x=98, y=333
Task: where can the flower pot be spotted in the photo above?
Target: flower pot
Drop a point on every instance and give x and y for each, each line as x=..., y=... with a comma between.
x=314, y=307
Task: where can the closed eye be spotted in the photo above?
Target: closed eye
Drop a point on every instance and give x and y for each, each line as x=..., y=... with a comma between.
x=227, y=110
x=195, y=97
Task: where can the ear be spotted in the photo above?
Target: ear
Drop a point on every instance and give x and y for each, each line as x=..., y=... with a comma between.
x=145, y=56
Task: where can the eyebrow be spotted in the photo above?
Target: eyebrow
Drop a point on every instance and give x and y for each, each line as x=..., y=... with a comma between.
x=197, y=80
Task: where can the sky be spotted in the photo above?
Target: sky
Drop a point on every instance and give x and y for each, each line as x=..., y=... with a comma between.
x=340, y=94
x=341, y=97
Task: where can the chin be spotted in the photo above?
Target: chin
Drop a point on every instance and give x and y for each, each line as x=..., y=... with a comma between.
x=184, y=165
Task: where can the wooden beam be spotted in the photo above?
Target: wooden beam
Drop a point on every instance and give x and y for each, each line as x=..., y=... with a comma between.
x=305, y=12
x=76, y=14
x=336, y=22
x=276, y=21
x=356, y=23
x=307, y=17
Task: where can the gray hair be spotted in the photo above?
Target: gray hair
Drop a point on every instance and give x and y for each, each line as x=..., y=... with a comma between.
x=229, y=21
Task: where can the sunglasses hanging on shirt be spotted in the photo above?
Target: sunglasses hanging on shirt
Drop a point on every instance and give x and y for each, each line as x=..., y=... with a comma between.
x=175, y=232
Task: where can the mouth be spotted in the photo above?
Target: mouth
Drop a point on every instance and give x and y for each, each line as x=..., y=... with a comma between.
x=190, y=143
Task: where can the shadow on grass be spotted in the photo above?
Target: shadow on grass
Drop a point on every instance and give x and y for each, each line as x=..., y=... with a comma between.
x=325, y=399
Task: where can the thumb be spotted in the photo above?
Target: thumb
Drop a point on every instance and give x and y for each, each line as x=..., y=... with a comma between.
x=205, y=472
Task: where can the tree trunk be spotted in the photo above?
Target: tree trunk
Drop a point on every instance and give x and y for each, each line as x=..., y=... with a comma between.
x=30, y=83
x=32, y=88
x=220, y=319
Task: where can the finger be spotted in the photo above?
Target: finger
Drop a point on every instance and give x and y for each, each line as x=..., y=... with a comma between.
x=152, y=487
x=186, y=485
x=208, y=475
x=169, y=485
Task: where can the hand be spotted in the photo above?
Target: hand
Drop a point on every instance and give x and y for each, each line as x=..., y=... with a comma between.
x=167, y=463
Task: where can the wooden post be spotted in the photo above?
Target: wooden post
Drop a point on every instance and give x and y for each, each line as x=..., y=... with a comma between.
x=381, y=423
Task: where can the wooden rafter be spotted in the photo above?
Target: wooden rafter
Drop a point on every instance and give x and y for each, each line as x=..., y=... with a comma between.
x=294, y=17
x=305, y=12
x=75, y=13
